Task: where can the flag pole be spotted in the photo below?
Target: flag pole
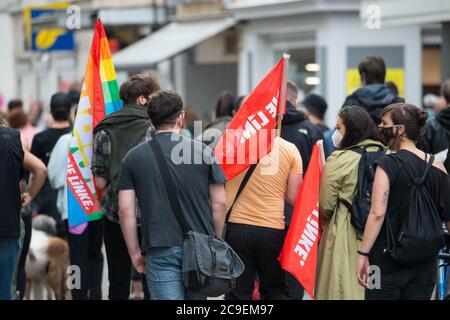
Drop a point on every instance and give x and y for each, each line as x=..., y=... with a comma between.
x=286, y=58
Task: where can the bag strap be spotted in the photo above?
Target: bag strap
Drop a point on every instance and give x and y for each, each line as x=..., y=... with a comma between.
x=171, y=189
x=363, y=149
x=414, y=178
x=247, y=176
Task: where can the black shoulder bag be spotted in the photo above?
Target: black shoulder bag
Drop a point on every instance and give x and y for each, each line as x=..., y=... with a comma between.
x=210, y=265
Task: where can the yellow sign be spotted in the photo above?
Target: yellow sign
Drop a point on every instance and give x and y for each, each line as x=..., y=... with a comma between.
x=396, y=75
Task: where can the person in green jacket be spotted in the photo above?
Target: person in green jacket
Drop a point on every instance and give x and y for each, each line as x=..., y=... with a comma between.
x=340, y=241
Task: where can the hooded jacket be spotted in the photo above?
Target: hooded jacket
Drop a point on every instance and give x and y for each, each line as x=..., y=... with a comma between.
x=125, y=129
x=437, y=133
x=297, y=129
x=373, y=98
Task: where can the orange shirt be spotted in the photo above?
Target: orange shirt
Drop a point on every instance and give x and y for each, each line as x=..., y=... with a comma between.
x=261, y=203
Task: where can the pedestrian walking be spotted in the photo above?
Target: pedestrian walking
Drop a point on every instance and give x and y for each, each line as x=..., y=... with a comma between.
x=409, y=199
x=336, y=260
x=200, y=190
x=14, y=160
x=114, y=136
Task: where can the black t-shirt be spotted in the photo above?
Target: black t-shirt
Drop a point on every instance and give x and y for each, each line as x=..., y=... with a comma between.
x=437, y=184
x=11, y=171
x=193, y=167
x=43, y=144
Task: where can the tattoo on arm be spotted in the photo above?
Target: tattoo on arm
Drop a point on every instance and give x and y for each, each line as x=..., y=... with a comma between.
x=385, y=199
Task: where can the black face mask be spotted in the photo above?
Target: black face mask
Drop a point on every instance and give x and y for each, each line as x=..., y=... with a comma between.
x=387, y=134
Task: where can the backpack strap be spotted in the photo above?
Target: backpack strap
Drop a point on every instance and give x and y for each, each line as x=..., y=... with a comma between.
x=363, y=149
x=427, y=169
x=417, y=180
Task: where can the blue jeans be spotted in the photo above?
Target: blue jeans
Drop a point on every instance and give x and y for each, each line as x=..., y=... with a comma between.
x=164, y=275
x=9, y=255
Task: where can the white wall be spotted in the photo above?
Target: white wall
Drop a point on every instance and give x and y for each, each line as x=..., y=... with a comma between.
x=334, y=32
x=8, y=78
x=341, y=31
x=261, y=38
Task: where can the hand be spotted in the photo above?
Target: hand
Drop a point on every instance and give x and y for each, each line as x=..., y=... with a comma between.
x=138, y=261
x=363, y=265
x=26, y=199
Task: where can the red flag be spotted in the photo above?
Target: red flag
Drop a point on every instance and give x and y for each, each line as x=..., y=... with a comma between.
x=299, y=253
x=250, y=134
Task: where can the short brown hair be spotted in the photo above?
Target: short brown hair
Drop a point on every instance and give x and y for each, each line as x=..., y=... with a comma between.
x=373, y=68
x=164, y=108
x=136, y=86
x=17, y=118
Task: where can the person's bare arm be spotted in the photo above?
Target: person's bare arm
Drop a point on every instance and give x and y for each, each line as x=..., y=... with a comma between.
x=100, y=183
x=219, y=207
x=37, y=178
x=380, y=196
x=294, y=183
x=127, y=215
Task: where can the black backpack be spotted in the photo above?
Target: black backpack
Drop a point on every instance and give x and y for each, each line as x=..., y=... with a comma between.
x=360, y=208
x=421, y=233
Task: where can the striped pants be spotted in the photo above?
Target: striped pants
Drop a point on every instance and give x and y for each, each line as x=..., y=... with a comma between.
x=258, y=247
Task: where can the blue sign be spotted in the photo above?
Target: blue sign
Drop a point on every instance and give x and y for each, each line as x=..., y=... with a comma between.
x=47, y=39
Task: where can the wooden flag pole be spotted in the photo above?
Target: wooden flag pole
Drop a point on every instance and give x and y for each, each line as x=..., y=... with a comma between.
x=283, y=92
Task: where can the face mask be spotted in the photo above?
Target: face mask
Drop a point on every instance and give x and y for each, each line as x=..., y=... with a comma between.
x=387, y=134
x=337, y=138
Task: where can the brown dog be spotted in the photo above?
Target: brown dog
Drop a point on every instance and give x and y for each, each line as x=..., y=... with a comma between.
x=46, y=267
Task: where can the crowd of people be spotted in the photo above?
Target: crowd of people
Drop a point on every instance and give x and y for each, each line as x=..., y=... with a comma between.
x=252, y=212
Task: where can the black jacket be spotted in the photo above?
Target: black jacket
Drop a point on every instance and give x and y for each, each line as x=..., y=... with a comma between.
x=373, y=98
x=437, y=133
x=297, y=129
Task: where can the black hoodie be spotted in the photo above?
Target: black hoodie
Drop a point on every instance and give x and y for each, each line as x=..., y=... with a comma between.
x=437, y=133
x=297, y=129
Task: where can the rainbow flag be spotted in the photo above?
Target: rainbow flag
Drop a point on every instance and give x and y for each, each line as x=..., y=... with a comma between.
x=99, y=97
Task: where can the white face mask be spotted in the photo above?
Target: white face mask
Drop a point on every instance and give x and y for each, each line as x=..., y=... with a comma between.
x=337, y=138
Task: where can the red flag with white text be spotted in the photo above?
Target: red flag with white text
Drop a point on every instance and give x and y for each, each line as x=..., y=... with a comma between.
x=250, y=134
x=299, y=253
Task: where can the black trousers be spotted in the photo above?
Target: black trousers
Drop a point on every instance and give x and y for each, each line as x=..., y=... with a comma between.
x=21, y=274
x=416, y=283
x=295, y=289
x=85, y=252
x=259, y=248
x=119, y=262
x=46, y=202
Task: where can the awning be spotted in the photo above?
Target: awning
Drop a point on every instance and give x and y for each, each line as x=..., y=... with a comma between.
x=134, y=16
x=169, y=41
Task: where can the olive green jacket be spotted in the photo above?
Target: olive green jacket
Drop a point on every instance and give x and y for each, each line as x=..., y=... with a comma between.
x=337, y=253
